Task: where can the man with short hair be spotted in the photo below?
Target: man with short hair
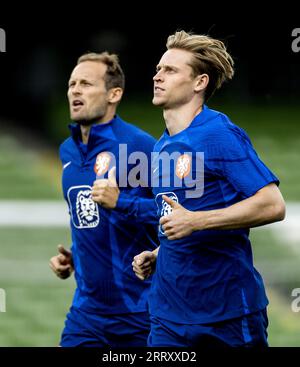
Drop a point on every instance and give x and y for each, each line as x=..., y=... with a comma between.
x=110, y=304
x=205, y=290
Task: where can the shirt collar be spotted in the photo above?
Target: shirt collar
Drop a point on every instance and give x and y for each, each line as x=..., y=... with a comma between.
x=98, y=132
x=199, y=119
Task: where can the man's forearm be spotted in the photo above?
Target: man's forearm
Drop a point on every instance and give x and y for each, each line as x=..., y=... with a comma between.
x=266, y=206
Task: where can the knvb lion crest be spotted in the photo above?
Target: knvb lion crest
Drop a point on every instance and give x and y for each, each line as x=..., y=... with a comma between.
x=165, y=208
x=85, y=213
x=86, y=209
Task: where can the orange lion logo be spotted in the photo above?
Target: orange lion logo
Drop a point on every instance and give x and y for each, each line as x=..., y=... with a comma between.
x=102, y=163
x=183, y=166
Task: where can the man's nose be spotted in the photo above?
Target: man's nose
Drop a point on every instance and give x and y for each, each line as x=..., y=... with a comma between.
x=157, y=76
x=76, y=89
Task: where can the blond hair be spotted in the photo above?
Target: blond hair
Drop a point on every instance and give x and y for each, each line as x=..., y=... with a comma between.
x=209, y=57
x=114, y=76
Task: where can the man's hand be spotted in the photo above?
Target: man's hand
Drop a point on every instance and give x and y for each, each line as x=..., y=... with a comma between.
x=62, y=264
x=179, y=223
x=144, y=264
x=106, y=191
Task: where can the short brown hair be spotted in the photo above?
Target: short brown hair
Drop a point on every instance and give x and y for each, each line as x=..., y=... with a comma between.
x=114, y=76
x=209, y=56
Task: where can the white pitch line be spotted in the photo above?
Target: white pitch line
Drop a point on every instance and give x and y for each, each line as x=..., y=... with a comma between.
x=34, y=213
x=288, y=230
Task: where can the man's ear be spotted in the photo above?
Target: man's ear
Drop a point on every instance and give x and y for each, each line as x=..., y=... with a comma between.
x=115, y=95
x=201, y=82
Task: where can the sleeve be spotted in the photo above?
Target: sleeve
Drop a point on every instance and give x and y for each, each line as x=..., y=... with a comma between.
x=237, y=161
x=142, y=209
x=145, y=143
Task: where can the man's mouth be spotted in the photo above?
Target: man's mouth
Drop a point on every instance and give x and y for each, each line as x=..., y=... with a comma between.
x=77, y=104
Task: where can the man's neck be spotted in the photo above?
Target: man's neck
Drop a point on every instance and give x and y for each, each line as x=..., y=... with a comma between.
x=85, y=133
x=85, y=129
x=179, y=119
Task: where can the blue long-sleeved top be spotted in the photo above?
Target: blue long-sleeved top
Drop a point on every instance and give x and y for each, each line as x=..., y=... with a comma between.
x=104, y=242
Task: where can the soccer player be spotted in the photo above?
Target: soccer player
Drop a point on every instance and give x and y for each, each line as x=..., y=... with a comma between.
x=205, y=290
x=110, y=304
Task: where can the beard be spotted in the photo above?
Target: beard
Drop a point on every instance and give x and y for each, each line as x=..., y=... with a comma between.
x=88, y=121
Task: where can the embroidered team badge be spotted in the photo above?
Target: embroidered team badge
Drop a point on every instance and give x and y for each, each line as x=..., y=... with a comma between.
x=164, y=207
x=84, y=211
x=102, y=163
x=183, y=166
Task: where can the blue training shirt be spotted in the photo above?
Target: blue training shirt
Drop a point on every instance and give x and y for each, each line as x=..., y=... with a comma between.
x=208, y=276
x=104, y=242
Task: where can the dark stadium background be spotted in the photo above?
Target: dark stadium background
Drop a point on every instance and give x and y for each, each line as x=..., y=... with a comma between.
x=41, y=51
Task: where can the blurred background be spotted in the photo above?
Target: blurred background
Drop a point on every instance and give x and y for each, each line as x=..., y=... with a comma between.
x=41, y=50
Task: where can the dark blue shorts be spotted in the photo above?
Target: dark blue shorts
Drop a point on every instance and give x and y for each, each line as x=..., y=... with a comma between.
x=83, y=329
x=246, y=331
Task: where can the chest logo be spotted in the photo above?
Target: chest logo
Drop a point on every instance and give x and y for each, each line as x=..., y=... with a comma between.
x=183, y=166
x=164, y=207
x=84, y=211
x=102, y=163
